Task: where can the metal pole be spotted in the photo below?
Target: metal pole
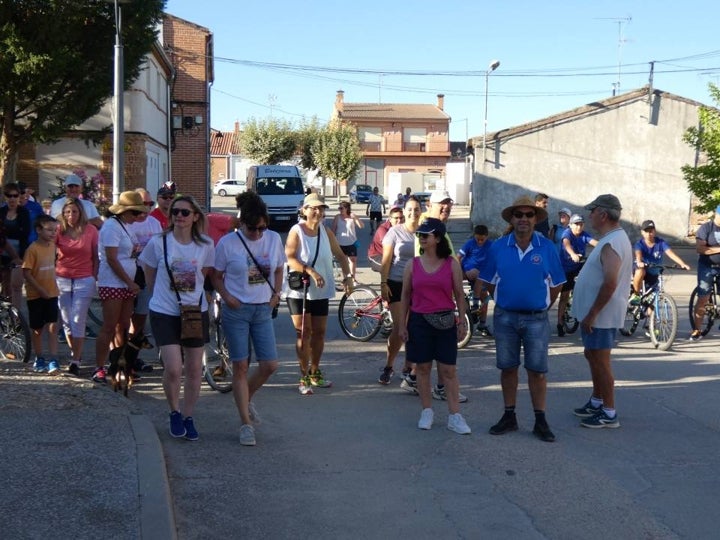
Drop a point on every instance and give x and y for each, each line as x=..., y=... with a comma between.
x=485, y=115
x=119, y=119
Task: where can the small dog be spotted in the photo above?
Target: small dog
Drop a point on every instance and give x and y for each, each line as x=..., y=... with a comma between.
x=122, y=364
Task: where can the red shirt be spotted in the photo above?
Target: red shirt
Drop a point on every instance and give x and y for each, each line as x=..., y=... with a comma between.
x=162, y=218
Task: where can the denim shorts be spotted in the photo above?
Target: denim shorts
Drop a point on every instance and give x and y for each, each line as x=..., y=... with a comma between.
x=249, y=321
x=513, y=330
x=599, y=338
x=705, y=274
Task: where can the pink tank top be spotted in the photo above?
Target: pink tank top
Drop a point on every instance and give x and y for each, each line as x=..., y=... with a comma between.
x=432, y=292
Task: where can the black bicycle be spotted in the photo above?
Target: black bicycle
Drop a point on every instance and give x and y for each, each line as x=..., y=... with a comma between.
x=14, y=333
x=712, y=308
x=217, y=367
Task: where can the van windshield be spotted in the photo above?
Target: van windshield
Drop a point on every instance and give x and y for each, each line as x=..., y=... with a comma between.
x=279, y=186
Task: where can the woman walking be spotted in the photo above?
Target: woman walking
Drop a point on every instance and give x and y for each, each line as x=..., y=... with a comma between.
x=248, y=275
x=398, y=249
x=345, y=225
x=176, y=264
x=16, y=222
x=432, y=285
x=76, y=270
x=116, y=276
x=310, y=247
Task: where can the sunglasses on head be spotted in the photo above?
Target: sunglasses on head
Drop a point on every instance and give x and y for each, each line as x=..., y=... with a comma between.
x=518, y=214
x=184, y=211
x=12, y=195
x=261, y=228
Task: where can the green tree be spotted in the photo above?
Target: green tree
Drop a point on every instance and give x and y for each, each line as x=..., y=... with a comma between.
x=704, y=180
x=268, y=141
x=337, y=151
x=56, y=65
x=306, y=135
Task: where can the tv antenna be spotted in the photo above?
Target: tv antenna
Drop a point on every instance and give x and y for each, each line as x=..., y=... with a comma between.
x=621, y=41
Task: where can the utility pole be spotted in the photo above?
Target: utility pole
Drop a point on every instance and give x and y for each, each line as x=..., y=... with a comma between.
x=621, y=41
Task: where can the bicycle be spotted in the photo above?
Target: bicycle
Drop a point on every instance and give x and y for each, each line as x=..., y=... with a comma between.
x=712, y=308
x=14, y=333
x=659, y=308
x=217, y=369
x=569, y=322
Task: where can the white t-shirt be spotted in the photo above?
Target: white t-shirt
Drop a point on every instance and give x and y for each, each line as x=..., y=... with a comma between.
x=144, y=230
x=117, y=235
x=345, y=231
x=89, y=208
x=186, y=262
x=243, y=279
x=323, y=264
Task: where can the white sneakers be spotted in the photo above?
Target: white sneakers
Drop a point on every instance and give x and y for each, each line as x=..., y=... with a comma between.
x=456, y=422
x=426, y=419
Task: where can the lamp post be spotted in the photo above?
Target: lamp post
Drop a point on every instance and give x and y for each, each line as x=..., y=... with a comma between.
x=492, y=67
x=119, y=112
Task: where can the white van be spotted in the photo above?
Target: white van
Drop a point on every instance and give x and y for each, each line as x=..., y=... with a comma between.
x=281, y=187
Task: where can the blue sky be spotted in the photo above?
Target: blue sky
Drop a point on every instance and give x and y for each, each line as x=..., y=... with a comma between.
x=555, y=55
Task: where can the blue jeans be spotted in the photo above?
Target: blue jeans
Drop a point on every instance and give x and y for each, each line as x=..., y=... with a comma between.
x=513, y=330
x=249, y=321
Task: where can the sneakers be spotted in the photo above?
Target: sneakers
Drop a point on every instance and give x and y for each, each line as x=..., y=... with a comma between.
x=254, y=416
x=561, y=330
x=39, y=366
x=145, y=343
x=695, y=335
x=317, y=380
x=542, y=432
x=634, y=300
x=483, y=331
x=601, y=420
x=426, y=419
x=177, y=426
x=508, y=422
x=191, y=433
x=587, y=410
x=99, y=375
x=438, y=392
x=409, y=385
x=53, y=368
x=247, y=435
x=141, y=365
x=386, y=375
x=74, y=369
x=305, y=387
x=457, y=423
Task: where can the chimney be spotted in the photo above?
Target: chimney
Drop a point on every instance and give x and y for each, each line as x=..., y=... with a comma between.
x=237, y=126
x=340, y=101
x=441, y=101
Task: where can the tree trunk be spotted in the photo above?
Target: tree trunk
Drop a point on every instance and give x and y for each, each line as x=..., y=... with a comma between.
x=8, y=159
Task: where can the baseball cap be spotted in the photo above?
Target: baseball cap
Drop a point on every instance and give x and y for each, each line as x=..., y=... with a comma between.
x=73, y=180
x=647, y=224
x=314, y=200
x=609, y=201
x=432, y=225
x=566, y=211
x=439, y=196
x=576, y=218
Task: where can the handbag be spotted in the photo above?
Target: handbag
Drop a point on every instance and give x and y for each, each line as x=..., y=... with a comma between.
x=275, y=309
x=297, y=281
x=191, y=323
x=440, y=320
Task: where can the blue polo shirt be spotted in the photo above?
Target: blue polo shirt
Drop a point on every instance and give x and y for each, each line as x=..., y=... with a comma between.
x=523, y=280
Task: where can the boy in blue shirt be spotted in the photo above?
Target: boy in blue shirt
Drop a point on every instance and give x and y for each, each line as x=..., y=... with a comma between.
x=472, y=258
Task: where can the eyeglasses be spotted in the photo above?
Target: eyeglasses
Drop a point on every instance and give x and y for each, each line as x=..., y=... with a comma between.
x=166, y=197
x=137, y=213
x=184, y=211
x=518, y=214
x=12, y=195
x=149, y=203
x=262, y=228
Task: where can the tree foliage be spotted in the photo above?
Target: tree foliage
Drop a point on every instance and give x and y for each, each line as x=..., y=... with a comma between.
x=337, y=151
x=268, y=141
x=56, y=64
x=306, y=135
x=703, y=180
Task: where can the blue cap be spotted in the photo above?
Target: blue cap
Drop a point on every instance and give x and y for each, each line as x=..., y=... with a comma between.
x=717, y=209
x=432, y=225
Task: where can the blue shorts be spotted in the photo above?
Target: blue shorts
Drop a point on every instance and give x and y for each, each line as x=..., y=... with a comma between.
x=513, y=330
x=249, y=322
x=705, y=274
x=599, y=338
x=426, y=343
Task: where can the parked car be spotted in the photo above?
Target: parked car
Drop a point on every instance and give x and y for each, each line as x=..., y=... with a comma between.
x=360, y=193
x=229, y=187
x=424, y=198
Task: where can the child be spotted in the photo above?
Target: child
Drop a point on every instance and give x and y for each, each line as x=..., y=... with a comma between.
x=472, y=258
x=42, y=293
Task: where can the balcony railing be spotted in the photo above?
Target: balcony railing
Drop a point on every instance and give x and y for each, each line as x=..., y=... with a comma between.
x=413, y=147
x=370, y=146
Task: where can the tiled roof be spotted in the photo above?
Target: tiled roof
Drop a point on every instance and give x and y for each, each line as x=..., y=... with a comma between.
x=392, y=111
x=222, y=146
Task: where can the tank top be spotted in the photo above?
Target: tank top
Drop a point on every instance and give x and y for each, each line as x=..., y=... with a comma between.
x=432, y=292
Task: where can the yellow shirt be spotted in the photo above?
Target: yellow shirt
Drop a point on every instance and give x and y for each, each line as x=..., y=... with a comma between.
x=41, y=262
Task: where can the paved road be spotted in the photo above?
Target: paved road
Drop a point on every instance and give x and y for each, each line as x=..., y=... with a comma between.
x=349, y=462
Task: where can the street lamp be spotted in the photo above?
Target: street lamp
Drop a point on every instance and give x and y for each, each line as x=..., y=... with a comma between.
x=492, y=67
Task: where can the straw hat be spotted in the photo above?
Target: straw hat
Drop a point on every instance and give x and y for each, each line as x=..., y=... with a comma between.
x=540, y=213
x=128, y=201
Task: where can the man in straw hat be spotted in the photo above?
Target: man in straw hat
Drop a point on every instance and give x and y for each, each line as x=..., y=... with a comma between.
x=600, y=304
x=524, y=274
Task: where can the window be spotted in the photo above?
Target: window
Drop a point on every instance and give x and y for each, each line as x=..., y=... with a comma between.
x=370, y=138
x=414, y=139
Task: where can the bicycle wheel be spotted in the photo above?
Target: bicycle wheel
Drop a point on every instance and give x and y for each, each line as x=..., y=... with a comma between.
x=14, y=334
x=570, y=323
x=360, y=314
x=663, y=322
x=632, y=317
x=216, y=363
x=464, y=340
x=709, y=315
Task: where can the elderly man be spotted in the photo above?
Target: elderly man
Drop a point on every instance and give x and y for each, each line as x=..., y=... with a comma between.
x=600, y=304
x=165, y=196
x=524, y=274
x=73, y=190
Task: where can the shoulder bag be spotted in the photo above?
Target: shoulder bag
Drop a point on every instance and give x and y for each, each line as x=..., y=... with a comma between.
x=191, y=326
x=275, y=309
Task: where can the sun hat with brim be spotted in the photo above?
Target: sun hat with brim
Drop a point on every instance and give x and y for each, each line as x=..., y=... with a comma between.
x=609, y=201
x=576, y=218
x=314, y=200
x=540, y=213
x=128, y=201
x=432, y=226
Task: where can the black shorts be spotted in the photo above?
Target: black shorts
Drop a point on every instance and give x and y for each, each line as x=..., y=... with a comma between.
x=42, y=311
x=569, y=284
x=395, y=290
x=426, y=343
x=349, y=251
x=316, y=308
x=166, y=330
x=376, y=216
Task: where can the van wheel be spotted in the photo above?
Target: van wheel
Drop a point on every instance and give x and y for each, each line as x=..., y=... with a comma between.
x=222, y=193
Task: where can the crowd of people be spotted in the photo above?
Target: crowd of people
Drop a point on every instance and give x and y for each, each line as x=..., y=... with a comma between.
x=161, y=260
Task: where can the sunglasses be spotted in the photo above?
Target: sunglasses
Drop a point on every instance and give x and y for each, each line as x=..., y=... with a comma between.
x=517, y=214
x=149, y=203
x=184, y=211
x=166, y=197
x=137, y=213
x=261, y=228
x=12, y=195
x=423, y=234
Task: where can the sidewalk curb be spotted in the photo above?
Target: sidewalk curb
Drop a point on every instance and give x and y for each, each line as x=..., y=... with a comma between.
x=157, y=517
